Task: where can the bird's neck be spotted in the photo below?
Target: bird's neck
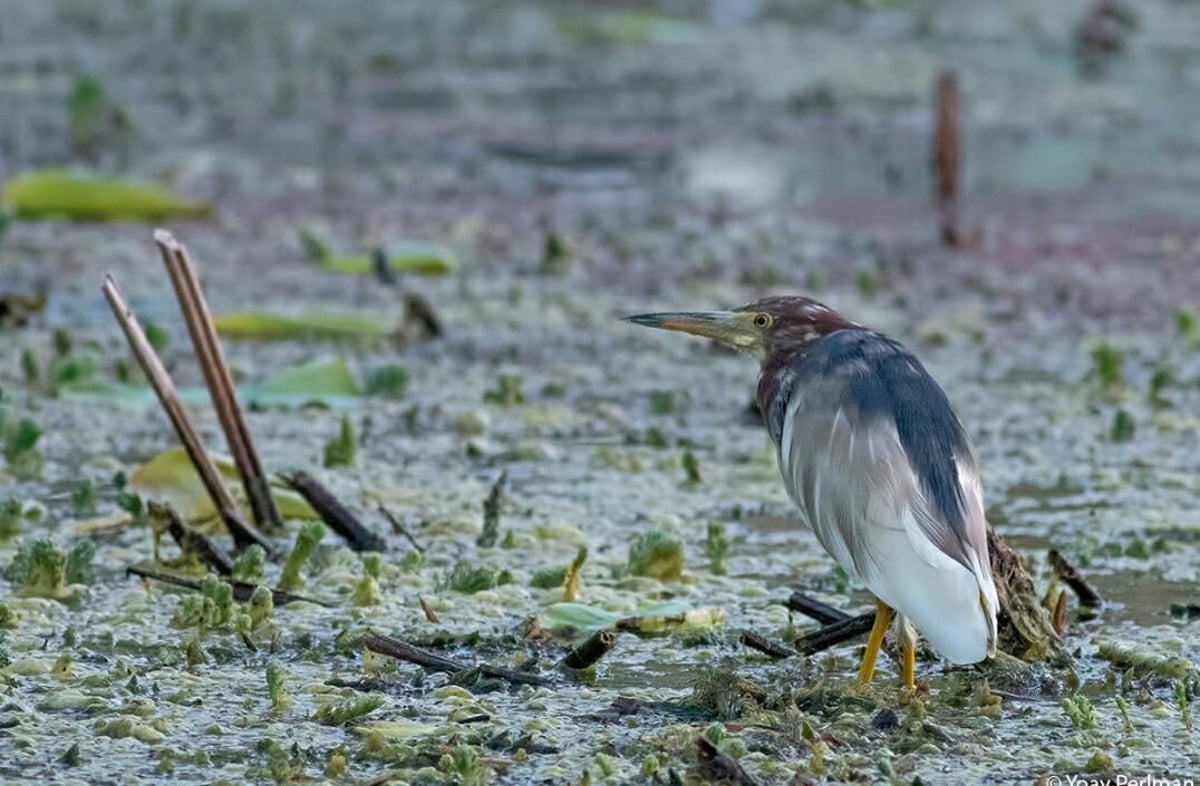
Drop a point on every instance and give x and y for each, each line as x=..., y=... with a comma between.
x=775, y=379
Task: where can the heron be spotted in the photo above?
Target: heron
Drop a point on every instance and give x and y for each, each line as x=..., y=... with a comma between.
x=878, y=464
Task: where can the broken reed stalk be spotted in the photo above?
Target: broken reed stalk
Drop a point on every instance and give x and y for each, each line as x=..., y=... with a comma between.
x=947, y=138
x=242, y=590
x=243, y=532
x=590, y=651
x=400, y=650
x=811, y=607
x=764, y=645
x=192, y=542
x=430, y=614
x=218, y=379
x=717, y=767
x=833, y=635
x=491, y=513
x=1066, y=572
x=333, y=512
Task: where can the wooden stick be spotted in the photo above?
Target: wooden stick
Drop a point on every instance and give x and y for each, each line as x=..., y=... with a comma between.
x=333, y=512
x=591, y=650
x=191, y=542
x=766, y=646
x=394, y=648
x=399, y=528
x=1078, y=584
x=243, y=532
x=203, y=331
x=242, y=590
x=835, y=634
x=811, y=607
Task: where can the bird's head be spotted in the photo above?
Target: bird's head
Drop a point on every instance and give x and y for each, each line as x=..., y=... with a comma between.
x=769, y=327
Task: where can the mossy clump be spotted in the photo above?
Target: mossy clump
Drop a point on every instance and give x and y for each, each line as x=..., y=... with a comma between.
x=211, y=608
x=657, y=554
x=1106, y=363
x=469, y=578
x=250, y=565
x=341, y=448
x=344, y=712
x=41, y=569
x=307, y=540
x=716, y=547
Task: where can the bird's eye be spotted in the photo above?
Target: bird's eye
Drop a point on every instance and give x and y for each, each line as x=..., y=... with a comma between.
x=762, y=320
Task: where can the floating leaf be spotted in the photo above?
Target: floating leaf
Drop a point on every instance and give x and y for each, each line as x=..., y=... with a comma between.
x=262, y=326
x=409, y=256
x=170, y=477
x=57, y=193
x=319, y=379
x=581, y=620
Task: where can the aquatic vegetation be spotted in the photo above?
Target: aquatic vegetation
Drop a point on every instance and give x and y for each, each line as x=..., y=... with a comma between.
x=691, y=467
x=312, y=325
x=277, y=687
x=509, y=391
x=21, y=453
x=1122, y=426
x=83, y=196
x=469, y=578
x=250, y=565
x=658, y=554
x=1080, y=712
x=388, y=382
x=307, y=539
x=716, y=547
x=1107, y=361
x=332, y=714
x=41, y=569
x=341, y=448
x=571, y=580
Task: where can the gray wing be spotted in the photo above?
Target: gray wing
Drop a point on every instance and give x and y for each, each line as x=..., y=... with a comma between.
x=868, y=444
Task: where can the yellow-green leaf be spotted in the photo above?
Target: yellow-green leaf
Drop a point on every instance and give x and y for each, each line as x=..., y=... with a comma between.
x=171, y=478
x=413, y=256
x=264, y=326
x=59, y=193
x=319, y=379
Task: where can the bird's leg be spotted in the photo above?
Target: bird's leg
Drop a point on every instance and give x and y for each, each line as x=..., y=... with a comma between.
x=883, y=619
x=908, y=660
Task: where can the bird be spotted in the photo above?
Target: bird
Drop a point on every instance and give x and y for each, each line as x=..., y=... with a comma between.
x=878, y=464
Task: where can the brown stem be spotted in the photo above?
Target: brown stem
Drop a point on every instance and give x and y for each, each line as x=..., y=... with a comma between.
x=591, y=650
x=333, y=512
x=243, y=532
x=766, y=646
x=400, y=650
x=218, y=379
x=191, y=542
x=811, y=607
x=835, y=634
x=399, y=528
x=1071, y=577
x=242, y=590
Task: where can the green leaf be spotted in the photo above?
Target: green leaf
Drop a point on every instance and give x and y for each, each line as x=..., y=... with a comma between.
x=322, y=378
x=170, y=477
x=408, y=256
x=263, y=326
x=82, y=196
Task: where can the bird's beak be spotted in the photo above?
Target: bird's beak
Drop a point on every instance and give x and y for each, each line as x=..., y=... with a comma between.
x=728, y=327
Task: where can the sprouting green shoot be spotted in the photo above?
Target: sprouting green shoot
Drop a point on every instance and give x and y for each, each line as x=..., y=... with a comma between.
x=1162, y=379
x=1107, y=361
x=367, y=592
x=1186, y=322
x=210, y=608
x=388, y=382
x=509, y=391
x=1080, y=712
x=307, y=540
x=277, y=687
x=470, y=578
x=1123, y=707
x=340, y=449
x=260, y=607
x=716, y=547
x=1181, y=698
x=338, y=714
x=373, y=565
x=20, y=448
x=1122, y=426
x=571, y=579
x=40, y=569
x=250, y=565
x=29, y=367
x=691, y=466
x=11, y=514
x=548, y=578
x=83, y=499
x=464, y=766
x=658, y=554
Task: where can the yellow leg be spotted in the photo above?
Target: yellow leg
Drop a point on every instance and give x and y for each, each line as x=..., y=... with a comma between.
x=883, y=619
x=909, y=672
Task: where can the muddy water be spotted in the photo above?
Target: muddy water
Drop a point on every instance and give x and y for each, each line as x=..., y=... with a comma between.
x=698, y=157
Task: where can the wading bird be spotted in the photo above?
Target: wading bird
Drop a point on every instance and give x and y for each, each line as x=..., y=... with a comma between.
x=878, y=464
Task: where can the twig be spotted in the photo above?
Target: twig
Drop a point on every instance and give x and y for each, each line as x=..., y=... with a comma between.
x=220, y=382
x=243, y=532
x=1058, y=618
x=399, y=528
x=717, y=767
x=191, y=542
x=491, y=513
x=591, y=650
x=1066, y=571
x=766, y=646
x=946, y=138
x=811, y=607
x=835, y=634
x=242, y=590
x=430, y=614
x=333, y=512
x=394, y=648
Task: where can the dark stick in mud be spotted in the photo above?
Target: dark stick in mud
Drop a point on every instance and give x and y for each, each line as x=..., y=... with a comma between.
x=491, y=513
x=1078, y=584
x=811, y=607
x=716, y=767
x=591, y=650
x=242, y=590
x=400, y=650
x=191, y=542
x=333, y=512
x=211, y=356
x=766, y=646
x=833, y=635
x=243, y=532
